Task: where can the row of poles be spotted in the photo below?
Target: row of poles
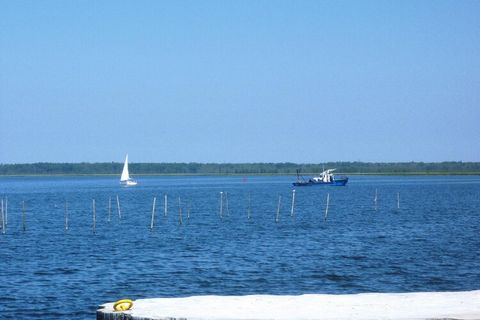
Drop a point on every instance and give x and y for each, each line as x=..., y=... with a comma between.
x=94, y=211
x=224, y=207
x=4, y=213
x=165, y=208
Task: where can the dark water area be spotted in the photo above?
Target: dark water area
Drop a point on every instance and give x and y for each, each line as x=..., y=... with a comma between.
x=429, y=242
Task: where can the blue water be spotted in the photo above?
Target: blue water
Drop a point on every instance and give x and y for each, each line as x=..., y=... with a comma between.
x=430, y=243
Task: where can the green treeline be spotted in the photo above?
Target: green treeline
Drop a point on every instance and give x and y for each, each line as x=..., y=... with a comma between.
x=115, y=168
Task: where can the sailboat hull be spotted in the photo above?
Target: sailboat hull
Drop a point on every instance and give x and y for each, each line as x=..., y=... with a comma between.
x=128, y=183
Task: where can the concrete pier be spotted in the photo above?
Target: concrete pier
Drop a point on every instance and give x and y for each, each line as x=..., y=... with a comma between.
x=422, y=305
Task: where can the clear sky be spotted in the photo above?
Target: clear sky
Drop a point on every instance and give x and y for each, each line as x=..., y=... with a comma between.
x=239, y=81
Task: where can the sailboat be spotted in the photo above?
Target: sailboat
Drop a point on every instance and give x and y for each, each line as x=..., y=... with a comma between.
x=125, y=178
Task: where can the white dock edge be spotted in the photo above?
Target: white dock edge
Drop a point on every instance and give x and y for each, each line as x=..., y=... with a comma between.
x=422, y=305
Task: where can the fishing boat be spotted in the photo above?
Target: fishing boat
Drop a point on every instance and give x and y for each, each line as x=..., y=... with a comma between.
x=125, y=179
x=326, y=178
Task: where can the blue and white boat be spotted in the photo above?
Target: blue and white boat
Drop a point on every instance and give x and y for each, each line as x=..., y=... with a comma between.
x=326, y=178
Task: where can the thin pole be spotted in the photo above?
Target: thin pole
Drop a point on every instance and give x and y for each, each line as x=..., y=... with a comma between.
x=109, y=209
x=221, y=204
x=23, y=217
x=166, y=205
x=6, y=210
x=249, y=210
x=278, y=208
x=66, y=215
x=153, y=212
x=3, y=220
x=118, y=208
x=293, y=203
x=326, y=208
x=94, y=217
x=226, y=203
x=180, y=220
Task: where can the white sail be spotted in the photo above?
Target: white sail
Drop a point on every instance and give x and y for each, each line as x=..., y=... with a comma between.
x=125, y=176
x=125, y=179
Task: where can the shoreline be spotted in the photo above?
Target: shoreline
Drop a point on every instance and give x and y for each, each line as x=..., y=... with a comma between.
x=387, y=174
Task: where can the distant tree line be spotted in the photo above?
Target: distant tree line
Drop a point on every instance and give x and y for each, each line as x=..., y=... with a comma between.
x=287, y=168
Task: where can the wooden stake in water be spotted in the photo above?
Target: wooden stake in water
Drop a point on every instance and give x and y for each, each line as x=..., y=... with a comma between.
x=398, y=200
x=24, y=222
x=118, y=208
x=226, y=203
x=326, y=207
x=153, y=213
x=180, y=220
x=166, y=205
x=3, y=219
x=94, y=217
x=293, y=203
x=277, y=218
x=6, y=210
x=66, y=215
x=221, y=204
x=109, y=209
x=249, y=208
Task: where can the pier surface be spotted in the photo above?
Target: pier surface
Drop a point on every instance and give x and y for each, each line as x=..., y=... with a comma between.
x=422, y=305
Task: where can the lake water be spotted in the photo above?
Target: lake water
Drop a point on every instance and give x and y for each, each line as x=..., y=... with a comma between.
x=431, y=242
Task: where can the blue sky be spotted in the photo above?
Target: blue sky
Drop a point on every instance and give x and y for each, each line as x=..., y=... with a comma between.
x=239, y=81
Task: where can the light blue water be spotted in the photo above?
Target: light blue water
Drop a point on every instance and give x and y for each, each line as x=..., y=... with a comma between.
x=430, y=243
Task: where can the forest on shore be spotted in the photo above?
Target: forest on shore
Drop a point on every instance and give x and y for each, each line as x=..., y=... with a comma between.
x=285, y=168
